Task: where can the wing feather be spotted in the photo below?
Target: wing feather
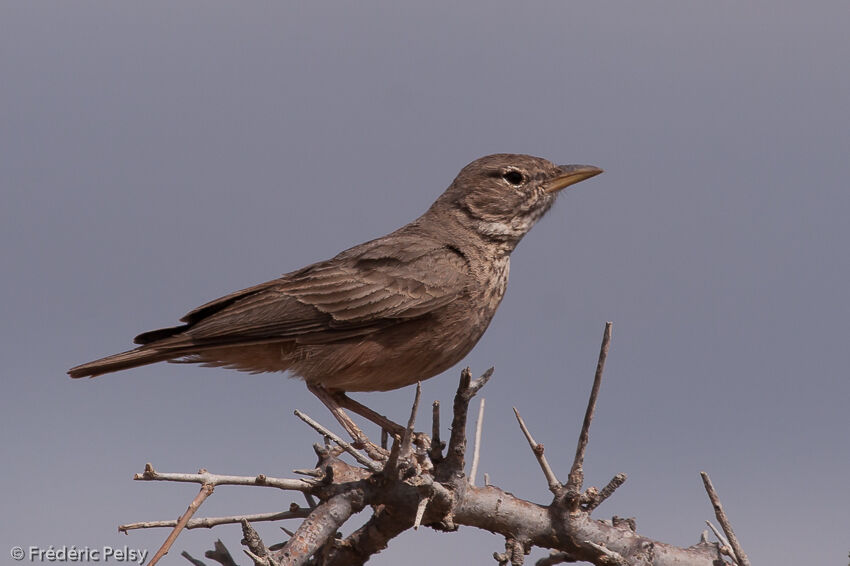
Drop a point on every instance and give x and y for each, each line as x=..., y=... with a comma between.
x=361, y=290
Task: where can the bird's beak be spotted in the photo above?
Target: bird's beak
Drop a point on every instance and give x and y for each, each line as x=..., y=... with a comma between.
x=570, y=175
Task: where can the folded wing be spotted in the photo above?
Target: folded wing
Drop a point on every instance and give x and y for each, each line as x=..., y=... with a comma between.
x=369, y=287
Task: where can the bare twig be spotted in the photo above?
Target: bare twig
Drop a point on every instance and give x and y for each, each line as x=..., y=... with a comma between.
x=476, y=451
x=407, y=439
x=436, y=443
x=206, y=491
x=395, y=450
x=210, y=522
x=721, y=538
x=466, y=390
x=310, y=472
x=554, y=485
x=420, y=512
x=740, y=555
x=256, y=550
x=206, y=478
x=371, y=464
x=607, y=491
x=311, y=501
x=476, y=385
x=576, y=478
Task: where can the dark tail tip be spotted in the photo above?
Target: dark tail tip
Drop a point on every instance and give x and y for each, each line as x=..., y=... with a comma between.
x=125, y=360
x=159, y=334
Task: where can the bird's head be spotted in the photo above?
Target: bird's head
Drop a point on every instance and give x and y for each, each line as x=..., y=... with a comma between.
x=501, y=196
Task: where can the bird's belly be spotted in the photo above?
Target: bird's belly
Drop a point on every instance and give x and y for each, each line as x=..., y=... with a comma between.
x=392, y=358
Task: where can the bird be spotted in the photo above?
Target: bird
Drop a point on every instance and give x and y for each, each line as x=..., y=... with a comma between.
x=384, y=314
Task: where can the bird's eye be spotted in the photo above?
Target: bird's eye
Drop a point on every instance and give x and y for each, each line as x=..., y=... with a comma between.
x=513, y=177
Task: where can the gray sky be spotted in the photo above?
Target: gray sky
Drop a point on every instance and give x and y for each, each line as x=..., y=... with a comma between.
x=155, y=156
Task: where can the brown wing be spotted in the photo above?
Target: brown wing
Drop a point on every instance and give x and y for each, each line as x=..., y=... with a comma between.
x=363, y=289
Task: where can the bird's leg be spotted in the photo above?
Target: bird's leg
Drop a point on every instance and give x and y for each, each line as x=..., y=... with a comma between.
x=330, y=401
x=343, y=400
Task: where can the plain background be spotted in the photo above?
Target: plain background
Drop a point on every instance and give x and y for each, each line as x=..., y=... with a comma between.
x=157, y=155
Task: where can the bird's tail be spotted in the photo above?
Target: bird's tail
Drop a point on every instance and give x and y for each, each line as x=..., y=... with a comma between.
x=125, y=360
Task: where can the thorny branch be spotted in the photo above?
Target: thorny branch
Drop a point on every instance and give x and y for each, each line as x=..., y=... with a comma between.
x=738, y=553
x=537, y=449
x=476, y=451
x=210, y=522
x=576, y=477
x=453, y=463
x=416, y=484
x=206, y=491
